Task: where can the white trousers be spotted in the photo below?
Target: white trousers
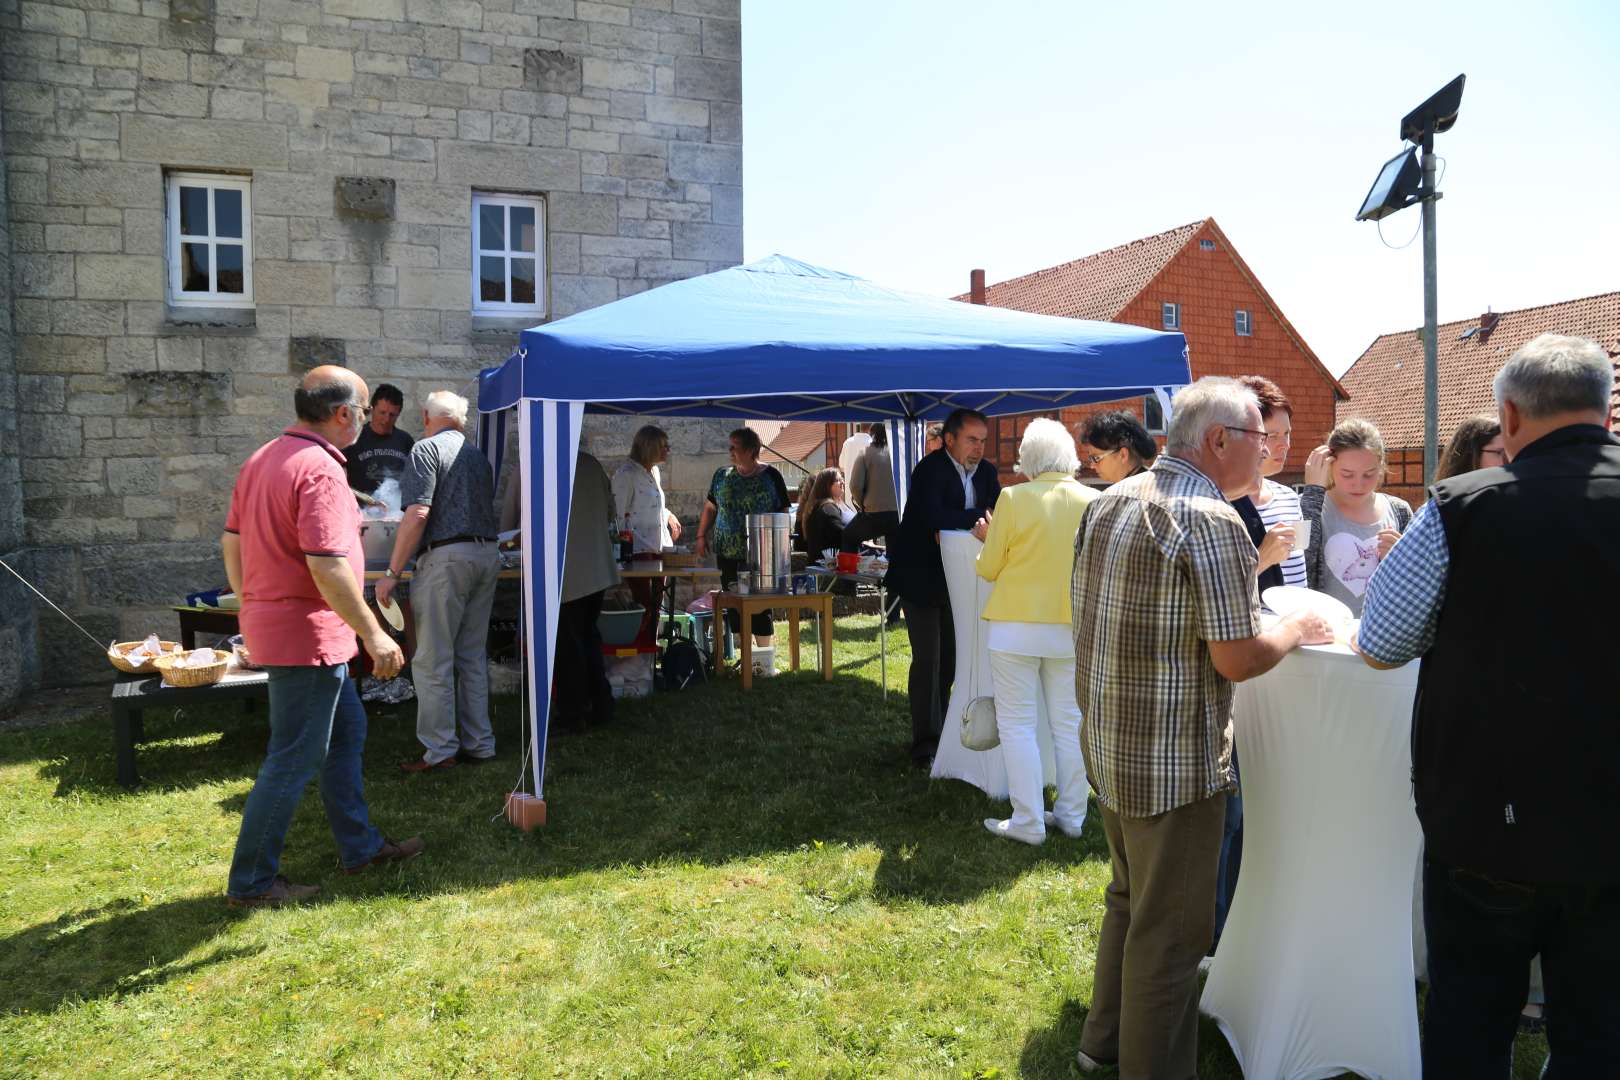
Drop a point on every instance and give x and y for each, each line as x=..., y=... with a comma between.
x=1018, y=679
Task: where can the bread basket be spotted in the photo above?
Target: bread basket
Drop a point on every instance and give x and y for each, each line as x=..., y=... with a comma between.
x=207, y=675
x=116, y=656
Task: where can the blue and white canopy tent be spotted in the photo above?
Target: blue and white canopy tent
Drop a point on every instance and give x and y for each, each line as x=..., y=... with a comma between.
x=782, y=340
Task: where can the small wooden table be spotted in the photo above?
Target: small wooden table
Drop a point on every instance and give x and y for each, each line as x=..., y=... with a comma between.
x=747, y=604
x=133, y=694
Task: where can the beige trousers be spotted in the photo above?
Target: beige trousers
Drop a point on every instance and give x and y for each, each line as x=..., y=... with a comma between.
x=452, y=592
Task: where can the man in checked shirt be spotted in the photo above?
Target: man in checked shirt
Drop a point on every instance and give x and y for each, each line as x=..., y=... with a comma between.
x=1166, y=620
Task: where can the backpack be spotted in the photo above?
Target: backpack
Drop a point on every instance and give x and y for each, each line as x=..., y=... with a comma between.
x=682, y=665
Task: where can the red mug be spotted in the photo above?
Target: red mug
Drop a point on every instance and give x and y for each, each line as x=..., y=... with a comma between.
x=848, y=562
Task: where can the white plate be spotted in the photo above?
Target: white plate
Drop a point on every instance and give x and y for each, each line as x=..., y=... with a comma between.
x=1287, y=599
x=391, y=612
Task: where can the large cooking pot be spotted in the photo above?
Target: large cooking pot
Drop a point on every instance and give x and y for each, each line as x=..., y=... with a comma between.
x=770, y=557
x=377, y=538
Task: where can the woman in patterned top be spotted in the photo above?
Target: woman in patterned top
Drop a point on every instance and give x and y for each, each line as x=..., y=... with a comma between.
x=744, y=487
x=1277, y=504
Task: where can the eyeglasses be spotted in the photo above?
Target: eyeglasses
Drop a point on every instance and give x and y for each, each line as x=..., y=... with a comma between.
x=1092, y=459
x=1494, y=453
x=1279, y=436
x=1247, y=431
x=360, y=407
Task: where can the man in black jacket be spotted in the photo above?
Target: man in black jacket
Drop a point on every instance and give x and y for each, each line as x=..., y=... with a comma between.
x=951, y=488
x=1506, y=584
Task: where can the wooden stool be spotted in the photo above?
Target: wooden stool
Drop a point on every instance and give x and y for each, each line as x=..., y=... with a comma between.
x=747, y=605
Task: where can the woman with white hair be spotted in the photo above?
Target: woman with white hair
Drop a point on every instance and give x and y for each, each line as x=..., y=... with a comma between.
x=1028, y=551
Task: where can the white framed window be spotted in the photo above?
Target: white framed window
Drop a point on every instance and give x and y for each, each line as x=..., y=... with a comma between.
x=210, y=242
x=1241, y=323
x=1153, y=415
x=509, y=255
x=1172, y=316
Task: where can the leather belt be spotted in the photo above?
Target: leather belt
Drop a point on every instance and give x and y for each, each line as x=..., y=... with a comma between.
x=461, y=540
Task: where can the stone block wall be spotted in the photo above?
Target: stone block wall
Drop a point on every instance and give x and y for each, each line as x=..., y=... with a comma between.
x=19, y=653
x=132, y=415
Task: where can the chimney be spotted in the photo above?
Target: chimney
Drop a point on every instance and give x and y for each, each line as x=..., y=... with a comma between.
x=976, y=287
x=1487, y=323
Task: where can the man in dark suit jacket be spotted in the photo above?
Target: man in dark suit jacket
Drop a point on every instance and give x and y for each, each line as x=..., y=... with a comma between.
x=951, y=488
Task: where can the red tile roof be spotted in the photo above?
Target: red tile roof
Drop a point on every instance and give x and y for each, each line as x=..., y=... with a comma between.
x=1095, y=287
x=1386, y=382
x=800, y=440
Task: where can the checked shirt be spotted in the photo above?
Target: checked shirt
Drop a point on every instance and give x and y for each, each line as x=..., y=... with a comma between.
x=1162, y=564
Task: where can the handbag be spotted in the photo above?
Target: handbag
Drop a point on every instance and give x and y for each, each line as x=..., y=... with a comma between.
x=979, y=730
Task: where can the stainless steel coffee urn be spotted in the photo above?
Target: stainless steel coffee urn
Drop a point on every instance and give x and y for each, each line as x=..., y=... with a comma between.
x=770, y=552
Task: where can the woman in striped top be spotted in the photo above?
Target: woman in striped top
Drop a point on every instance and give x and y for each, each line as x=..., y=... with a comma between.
x=1278, y=504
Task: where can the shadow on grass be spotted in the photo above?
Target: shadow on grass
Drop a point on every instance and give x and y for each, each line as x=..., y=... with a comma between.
x=72, y=958
x=709, y=775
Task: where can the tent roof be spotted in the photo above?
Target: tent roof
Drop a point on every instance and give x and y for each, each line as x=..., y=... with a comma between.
x=783, y=339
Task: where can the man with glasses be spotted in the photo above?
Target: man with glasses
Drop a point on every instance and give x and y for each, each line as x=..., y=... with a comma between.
x=1166, y=620
x=383, y=448
x=292, y=553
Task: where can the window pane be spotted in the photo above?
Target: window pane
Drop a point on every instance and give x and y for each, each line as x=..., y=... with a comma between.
x=522, y=279
x=193, y=211
x=229, y=260
x=194, y=267
x=492, y=279
x=227, y=212
x=492, y=228
x=522, y=228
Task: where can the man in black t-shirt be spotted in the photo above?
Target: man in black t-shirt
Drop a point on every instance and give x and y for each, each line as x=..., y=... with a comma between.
x=381, y=451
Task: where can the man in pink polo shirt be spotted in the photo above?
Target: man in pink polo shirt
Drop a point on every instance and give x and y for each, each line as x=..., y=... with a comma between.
x=292, y=553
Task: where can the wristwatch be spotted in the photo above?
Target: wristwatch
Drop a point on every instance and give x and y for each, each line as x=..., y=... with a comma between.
x=389, y=573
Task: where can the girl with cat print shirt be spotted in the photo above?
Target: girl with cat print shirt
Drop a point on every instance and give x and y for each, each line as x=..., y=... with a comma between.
x=1353, y=524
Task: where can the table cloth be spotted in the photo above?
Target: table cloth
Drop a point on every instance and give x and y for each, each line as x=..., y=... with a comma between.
x=984, y=769
x=1314, y=974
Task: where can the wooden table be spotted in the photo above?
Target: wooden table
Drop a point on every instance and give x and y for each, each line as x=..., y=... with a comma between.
x=655, y=570
x=133, y=694
x=747, y=604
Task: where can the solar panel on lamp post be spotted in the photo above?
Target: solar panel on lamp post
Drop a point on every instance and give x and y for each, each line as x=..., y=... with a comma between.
x=1392, y=192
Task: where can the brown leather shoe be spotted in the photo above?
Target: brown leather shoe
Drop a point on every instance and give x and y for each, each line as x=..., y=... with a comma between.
x=280, y=893
x=422, y=765
x=391, y=851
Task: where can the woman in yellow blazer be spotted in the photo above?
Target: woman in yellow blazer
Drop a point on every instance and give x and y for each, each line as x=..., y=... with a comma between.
x=1028, y=553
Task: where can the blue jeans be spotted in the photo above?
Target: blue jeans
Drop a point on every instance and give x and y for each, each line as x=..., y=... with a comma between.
x=1482, y=934
x=317, y=725
x=1226, y=872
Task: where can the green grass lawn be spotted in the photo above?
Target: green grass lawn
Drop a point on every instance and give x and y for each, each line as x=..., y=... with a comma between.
x=729, y=885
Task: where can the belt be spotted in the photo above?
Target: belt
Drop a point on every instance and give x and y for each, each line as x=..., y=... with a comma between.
x=461, y=540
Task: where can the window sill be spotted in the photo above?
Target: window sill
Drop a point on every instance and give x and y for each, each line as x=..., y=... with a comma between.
x=503, y=327
x=216, y=319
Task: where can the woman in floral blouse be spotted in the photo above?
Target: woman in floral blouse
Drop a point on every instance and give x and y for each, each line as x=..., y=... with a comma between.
x=744, y=487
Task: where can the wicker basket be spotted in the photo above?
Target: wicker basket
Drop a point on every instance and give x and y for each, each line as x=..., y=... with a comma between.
x=116, y=656
x=175, y=675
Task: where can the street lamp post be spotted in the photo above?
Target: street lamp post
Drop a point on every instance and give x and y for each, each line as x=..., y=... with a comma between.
x=1393, y=191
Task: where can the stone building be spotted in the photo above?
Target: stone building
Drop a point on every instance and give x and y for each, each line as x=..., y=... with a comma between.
x=203, y=198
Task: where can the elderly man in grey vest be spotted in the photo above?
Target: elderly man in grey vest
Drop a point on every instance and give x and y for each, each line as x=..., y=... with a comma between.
x=1506, y=584
x=448, y=490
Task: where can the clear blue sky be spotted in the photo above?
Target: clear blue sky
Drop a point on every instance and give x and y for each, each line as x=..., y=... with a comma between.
x=910, y=141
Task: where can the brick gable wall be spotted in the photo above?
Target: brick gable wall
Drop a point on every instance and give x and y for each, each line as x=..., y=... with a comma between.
x=1210, y=286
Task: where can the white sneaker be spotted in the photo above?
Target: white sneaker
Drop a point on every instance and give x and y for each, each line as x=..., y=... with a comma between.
x=1071, y=831
x=1088, y=1063
x=1005, y=830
